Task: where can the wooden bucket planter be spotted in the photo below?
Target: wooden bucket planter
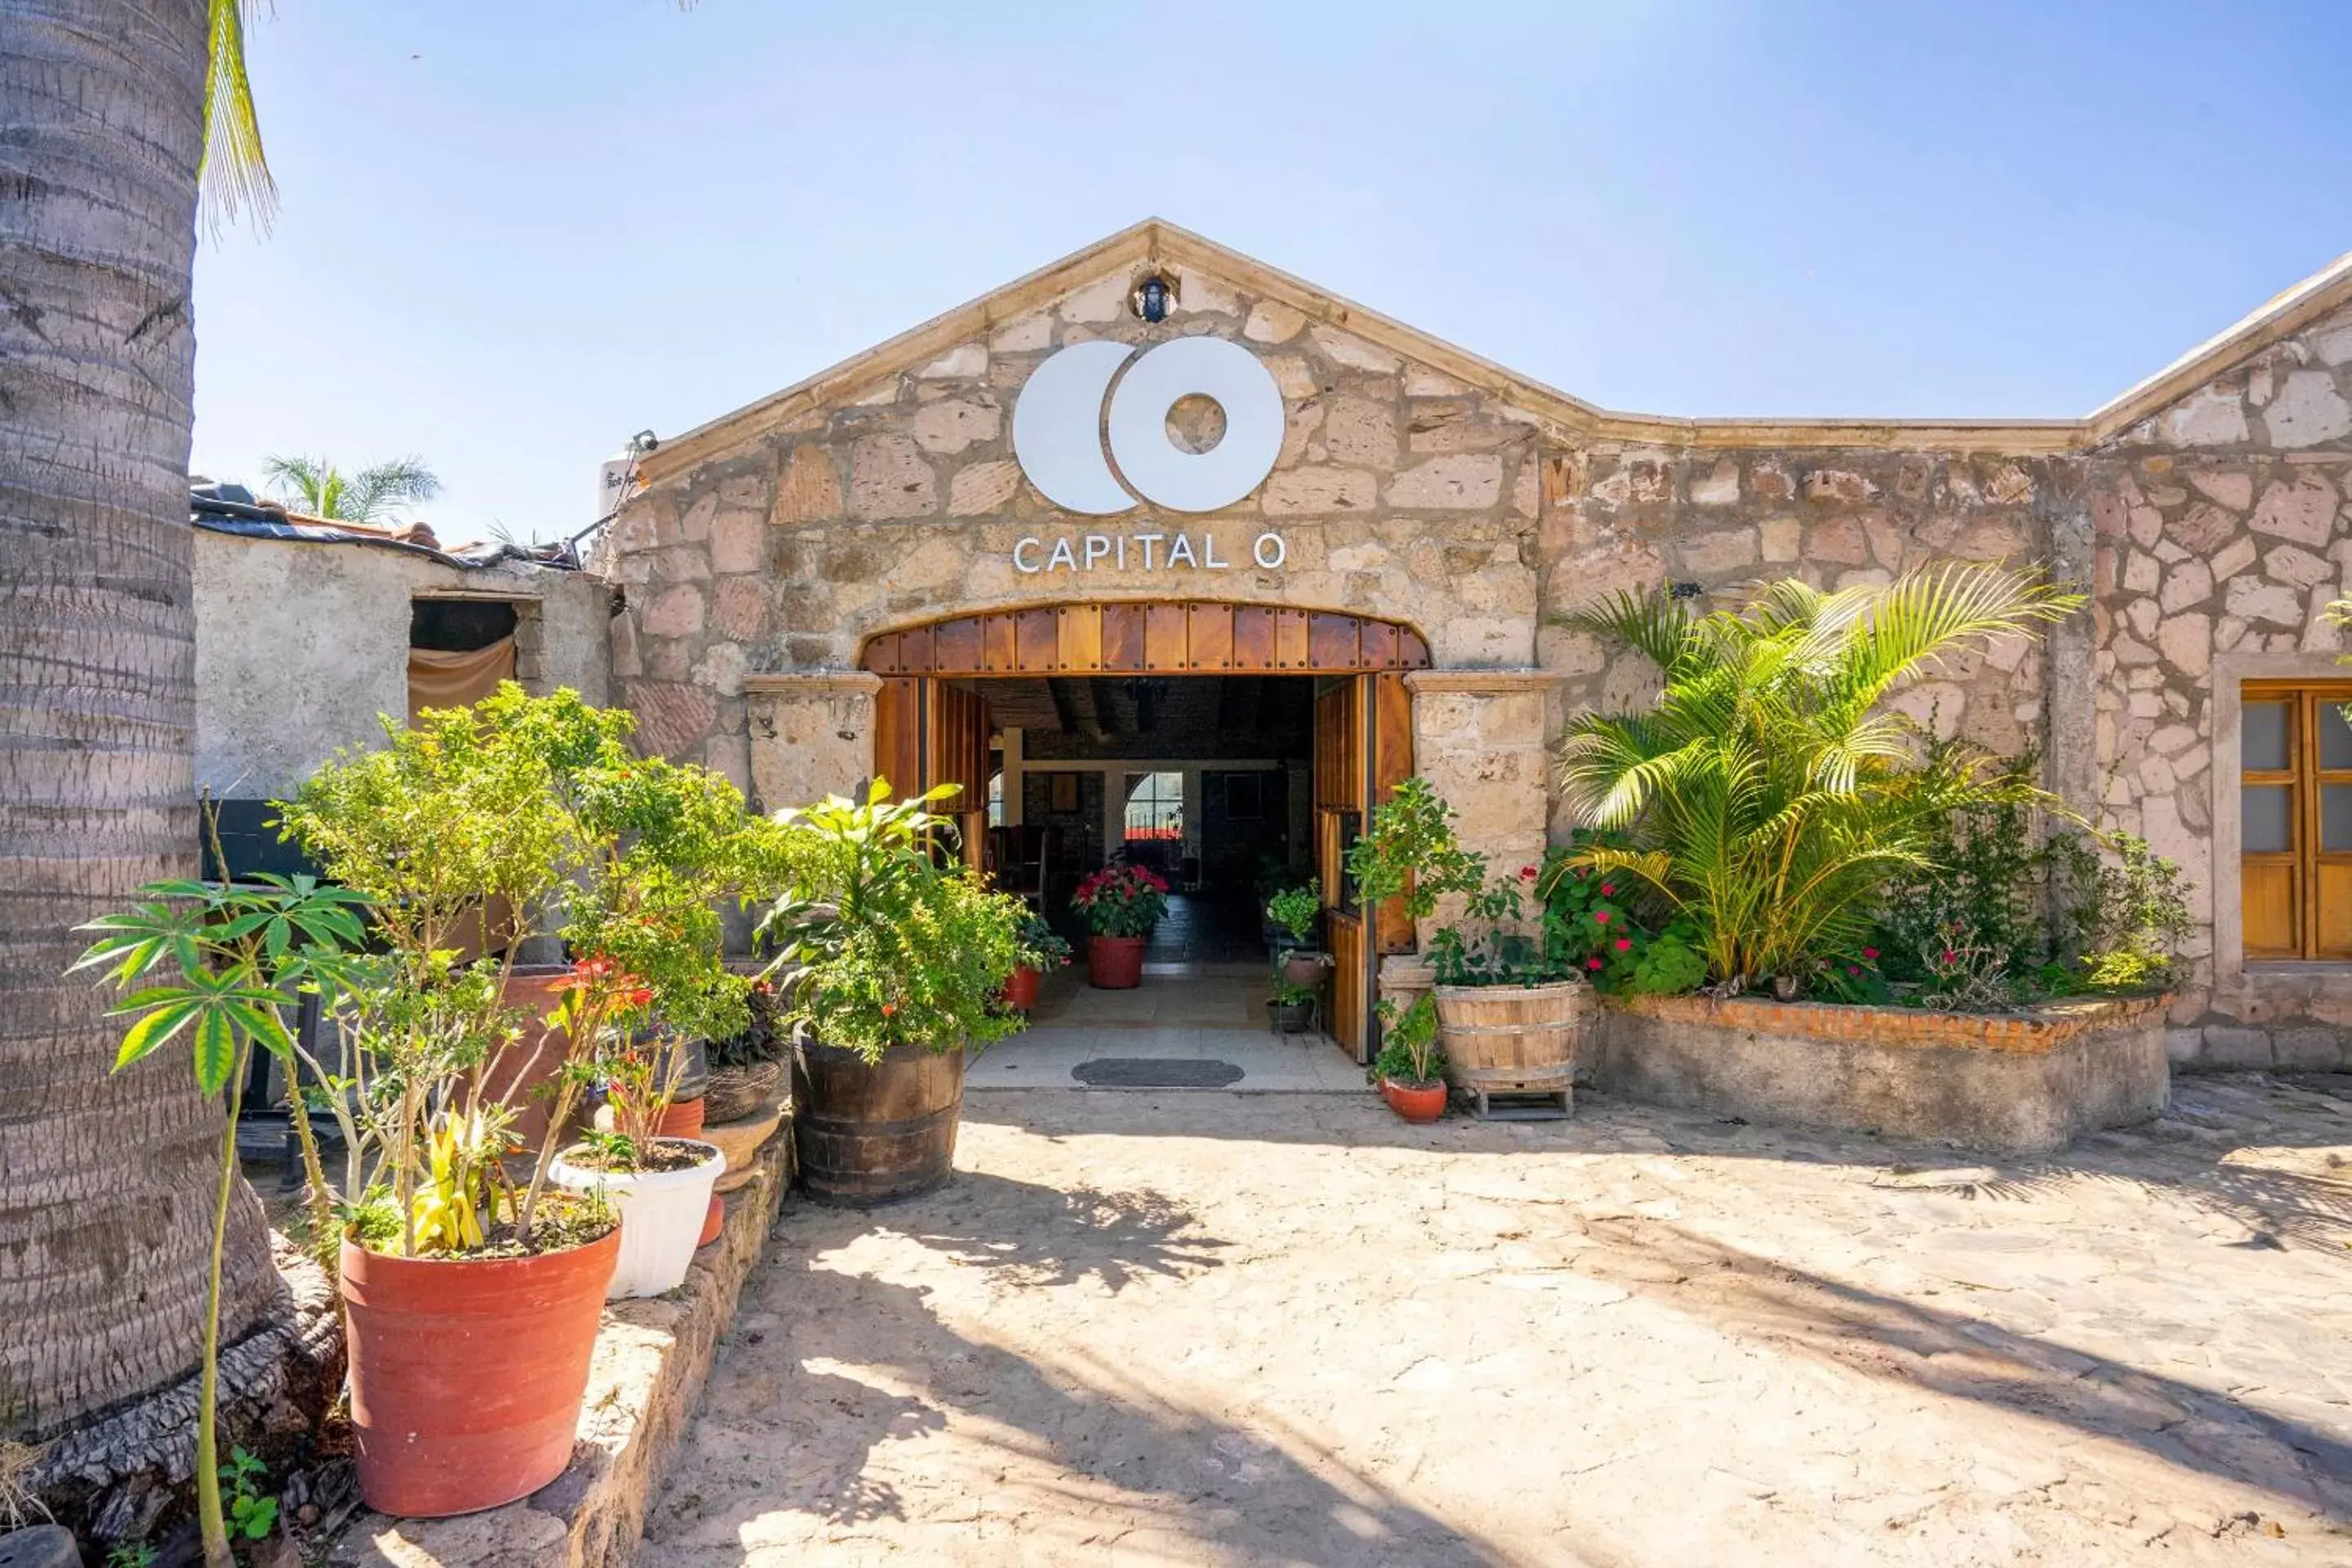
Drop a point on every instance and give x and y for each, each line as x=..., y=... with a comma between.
x=868, y=1136
x=1519, y=1040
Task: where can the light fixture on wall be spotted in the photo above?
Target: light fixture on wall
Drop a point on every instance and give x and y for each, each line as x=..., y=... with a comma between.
x=1153, y=296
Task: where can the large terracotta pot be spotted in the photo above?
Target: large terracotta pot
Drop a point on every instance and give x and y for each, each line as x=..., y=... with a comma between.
x=466, y=1374
x=661, y=1217
x=1116, y=962
x=530, y=1064
x=1021, y=988
x=1302, y=966
x=682, y=1119
x=875, y=1135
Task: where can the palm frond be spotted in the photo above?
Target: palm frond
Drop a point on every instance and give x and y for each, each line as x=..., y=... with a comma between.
x=234, y=178
x=1653, y=623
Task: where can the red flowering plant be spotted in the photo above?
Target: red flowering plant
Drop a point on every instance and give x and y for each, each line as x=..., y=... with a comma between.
x=1121, y=900
x=1603, y=922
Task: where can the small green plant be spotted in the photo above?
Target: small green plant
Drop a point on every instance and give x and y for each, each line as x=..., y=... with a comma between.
x=250, y=1514
x=1409, y=851
x=131, y=1555
x=1295, y=910
x=1408, y=1054
x=1285, y=995
x=1037, y=945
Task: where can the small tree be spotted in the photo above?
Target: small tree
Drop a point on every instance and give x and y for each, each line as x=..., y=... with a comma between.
x=372, y=494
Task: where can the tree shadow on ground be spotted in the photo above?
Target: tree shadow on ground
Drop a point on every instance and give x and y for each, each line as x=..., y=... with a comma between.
x=1030, y=1234
x=1960, y=1357
x=852, y=1362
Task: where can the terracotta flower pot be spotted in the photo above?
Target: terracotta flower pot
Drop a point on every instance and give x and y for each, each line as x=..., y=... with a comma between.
x=683, y=1118
x=713, y=1223
x=1302, y=966
x=661, y=1213
x=532, y=1062
x=1115, y=963
x=1414, y=1104
x=1021, y=988
x=466, y=1374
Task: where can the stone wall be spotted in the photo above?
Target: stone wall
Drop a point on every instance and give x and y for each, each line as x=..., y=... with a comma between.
x=1617, y=518
x=1419, y=484
x=1400, y=492
x=2223, y=531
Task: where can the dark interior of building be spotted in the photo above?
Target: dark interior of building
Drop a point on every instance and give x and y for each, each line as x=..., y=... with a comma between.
x=1213, y=797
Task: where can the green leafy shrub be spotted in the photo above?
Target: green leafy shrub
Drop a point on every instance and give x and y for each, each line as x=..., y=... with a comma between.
x=1409, y=851
x=880, y=943
x=1768, y=795
x=1295, y=910
x=1037, y=945
x=1409, y=1054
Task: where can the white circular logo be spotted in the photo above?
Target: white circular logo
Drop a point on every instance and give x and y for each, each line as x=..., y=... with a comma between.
x=1059, y=422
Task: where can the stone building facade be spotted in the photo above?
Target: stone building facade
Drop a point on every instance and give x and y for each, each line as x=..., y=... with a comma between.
x=2210, y=510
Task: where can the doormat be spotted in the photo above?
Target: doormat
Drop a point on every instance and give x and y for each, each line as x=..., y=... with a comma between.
x=1155, y=1072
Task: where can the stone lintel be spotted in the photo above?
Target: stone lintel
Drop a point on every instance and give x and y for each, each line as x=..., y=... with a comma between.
x=815, y=684
x=1496, y=682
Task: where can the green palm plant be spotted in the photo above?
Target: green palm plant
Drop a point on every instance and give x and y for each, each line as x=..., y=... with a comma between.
x=1769, y=792
x=322, y=489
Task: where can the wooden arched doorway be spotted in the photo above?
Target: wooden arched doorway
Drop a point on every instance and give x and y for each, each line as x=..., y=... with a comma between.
x=933, y=723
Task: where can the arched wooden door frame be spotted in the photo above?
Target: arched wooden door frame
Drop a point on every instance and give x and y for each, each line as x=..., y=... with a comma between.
x=931, y=729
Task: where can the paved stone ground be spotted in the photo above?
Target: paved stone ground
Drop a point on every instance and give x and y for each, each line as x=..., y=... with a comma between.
x=1214, y=1328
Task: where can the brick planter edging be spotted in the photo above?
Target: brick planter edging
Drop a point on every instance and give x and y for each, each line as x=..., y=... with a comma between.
x=2032, y=1033
x=652, y=1358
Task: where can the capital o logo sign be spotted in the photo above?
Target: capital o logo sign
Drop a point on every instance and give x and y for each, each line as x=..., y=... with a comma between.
x=1060, y=423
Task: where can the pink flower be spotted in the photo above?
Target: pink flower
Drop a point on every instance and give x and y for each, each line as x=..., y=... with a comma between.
x=1853, y=969
x=1625, y=944
x=1600, y=916
x=1606, y=890
x=1591, y=963
x=1950, y=957
x=1528, y=872
x=1871, y=954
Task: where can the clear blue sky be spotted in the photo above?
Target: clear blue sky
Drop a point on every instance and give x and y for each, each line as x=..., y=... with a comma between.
x=515, y=233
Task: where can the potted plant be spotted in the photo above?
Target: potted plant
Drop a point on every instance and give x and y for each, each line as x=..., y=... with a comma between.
x=1037, y=947
x=1512, y=1004
x=747, y=1067
x=1408, y=1066
x=659, y=1187
x=890, y=956
x=1120, y=904
x=1295, y=910
x=1409, y=853
x=1294, y=1006
x=473, y=1306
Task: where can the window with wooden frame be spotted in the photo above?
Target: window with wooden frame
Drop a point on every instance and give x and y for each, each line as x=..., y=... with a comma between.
x=2295, y=819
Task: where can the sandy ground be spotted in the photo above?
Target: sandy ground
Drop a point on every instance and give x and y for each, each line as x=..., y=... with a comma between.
x=1158, y=1327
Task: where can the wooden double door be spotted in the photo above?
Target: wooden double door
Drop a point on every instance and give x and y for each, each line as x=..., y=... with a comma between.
x=1363, y=749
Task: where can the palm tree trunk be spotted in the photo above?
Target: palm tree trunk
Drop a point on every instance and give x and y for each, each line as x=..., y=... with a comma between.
x=106, y=1183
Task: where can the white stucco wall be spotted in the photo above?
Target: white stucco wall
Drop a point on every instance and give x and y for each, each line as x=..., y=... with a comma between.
x=300, y=647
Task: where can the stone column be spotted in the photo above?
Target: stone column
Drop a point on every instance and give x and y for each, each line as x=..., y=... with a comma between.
x=1478, y=739
x=812, y=734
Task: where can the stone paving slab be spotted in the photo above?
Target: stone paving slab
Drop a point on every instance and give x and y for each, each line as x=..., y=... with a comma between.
x=1148, y=1328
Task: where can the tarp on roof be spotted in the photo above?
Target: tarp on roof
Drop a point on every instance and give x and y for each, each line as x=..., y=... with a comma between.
x=231, y=509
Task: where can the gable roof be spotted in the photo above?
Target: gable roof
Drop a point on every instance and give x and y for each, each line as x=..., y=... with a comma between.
x=1155, y=242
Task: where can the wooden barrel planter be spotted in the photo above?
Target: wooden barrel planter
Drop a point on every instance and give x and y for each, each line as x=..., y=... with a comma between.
x=1514, y=1039
x=868, y=1136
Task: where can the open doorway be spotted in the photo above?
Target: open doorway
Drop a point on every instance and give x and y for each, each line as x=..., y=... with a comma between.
x=1234, y=750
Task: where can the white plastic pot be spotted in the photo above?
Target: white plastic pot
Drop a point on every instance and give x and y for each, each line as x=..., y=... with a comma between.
x=661, y=1215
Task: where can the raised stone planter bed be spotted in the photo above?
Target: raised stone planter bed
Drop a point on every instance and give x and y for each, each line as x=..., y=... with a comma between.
x=652, y=1360
x=2018, y=1083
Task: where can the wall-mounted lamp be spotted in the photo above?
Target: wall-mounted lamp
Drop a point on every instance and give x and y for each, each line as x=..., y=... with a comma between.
x=1152, y=298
